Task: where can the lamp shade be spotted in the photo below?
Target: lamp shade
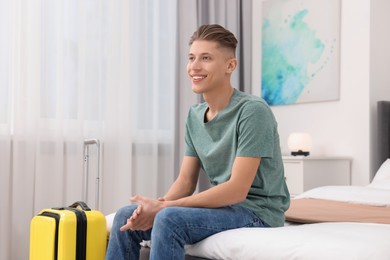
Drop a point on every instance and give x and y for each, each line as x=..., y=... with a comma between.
x=299, y=143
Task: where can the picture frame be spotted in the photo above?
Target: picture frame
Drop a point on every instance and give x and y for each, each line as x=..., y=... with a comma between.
x=296, y=50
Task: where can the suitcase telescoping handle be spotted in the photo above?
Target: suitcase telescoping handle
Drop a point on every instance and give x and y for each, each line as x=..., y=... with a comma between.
x=87, y=143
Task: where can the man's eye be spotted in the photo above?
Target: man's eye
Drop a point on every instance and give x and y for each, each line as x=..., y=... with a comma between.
x=191, y=58
x=206, y=58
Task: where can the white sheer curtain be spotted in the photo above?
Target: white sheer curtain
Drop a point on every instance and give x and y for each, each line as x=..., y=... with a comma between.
x=71, y=70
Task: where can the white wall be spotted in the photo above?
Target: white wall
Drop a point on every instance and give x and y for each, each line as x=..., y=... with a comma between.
x=345, y=127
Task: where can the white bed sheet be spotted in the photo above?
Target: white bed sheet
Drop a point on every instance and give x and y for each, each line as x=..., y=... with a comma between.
x=340, y=240
x=323, y=241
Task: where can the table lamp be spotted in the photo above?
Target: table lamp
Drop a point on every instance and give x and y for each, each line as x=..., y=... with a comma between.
x=299, y=144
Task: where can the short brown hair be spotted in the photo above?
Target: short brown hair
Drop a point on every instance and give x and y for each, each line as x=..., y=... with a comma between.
x=215, y=33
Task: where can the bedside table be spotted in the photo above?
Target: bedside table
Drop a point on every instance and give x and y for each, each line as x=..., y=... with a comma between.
x=304, y=173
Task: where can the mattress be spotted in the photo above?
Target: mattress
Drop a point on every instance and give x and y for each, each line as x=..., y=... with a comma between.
x=336, y=240
x=329, y=240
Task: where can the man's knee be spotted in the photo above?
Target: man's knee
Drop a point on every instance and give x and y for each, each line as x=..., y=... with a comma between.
x=169, y=224
x=166, y=216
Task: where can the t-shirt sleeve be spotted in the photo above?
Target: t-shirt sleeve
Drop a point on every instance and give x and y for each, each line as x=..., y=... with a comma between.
x=189, y=149
x=256, y=131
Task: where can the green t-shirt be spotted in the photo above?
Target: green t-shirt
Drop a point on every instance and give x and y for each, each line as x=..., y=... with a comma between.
x=245, y=128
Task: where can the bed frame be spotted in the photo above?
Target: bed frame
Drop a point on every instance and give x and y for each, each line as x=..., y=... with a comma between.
x=145, y=251
x=383, y=131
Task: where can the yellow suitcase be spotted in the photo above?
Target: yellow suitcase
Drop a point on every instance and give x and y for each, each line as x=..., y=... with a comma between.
x=71, y=233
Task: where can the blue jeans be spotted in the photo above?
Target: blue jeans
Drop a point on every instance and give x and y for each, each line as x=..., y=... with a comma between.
x=173, y=228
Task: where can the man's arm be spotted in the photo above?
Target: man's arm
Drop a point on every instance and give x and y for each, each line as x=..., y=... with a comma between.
x=184, y=186
x=233, y=191
x=186, y=182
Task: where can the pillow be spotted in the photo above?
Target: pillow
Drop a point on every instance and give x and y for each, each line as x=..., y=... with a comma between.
x=382, y=177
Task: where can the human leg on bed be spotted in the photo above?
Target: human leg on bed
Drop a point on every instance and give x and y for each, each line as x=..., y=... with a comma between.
x=176, y=226
x=125, y=244
x=173, y=228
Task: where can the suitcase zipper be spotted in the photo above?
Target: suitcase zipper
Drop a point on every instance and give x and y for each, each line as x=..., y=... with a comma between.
x=57, y=220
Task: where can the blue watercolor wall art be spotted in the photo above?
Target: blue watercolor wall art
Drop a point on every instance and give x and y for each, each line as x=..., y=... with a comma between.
x=300, y=51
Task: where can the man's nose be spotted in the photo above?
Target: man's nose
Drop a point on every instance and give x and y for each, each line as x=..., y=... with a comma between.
x=195, y=64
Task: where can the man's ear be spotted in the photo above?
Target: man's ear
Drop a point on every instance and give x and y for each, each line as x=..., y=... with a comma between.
x=231, y=66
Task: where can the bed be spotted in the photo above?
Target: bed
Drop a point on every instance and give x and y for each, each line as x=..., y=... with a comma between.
x=330, y=222
x=310, y=237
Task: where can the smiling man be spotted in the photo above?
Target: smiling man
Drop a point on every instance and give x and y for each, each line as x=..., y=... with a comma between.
x=233, y=137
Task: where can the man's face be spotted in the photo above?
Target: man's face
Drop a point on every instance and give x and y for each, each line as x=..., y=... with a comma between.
x=208, y=66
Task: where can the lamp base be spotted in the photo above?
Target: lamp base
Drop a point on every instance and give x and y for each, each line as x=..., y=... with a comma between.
x=300, y=152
